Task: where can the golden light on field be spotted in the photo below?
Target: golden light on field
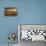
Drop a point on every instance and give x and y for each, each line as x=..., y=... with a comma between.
x=10, y=12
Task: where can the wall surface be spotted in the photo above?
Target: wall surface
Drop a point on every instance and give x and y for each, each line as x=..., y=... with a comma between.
x=29, y=12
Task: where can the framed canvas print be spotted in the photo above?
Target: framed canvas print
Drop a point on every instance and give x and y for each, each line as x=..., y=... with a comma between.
x=10, y=11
